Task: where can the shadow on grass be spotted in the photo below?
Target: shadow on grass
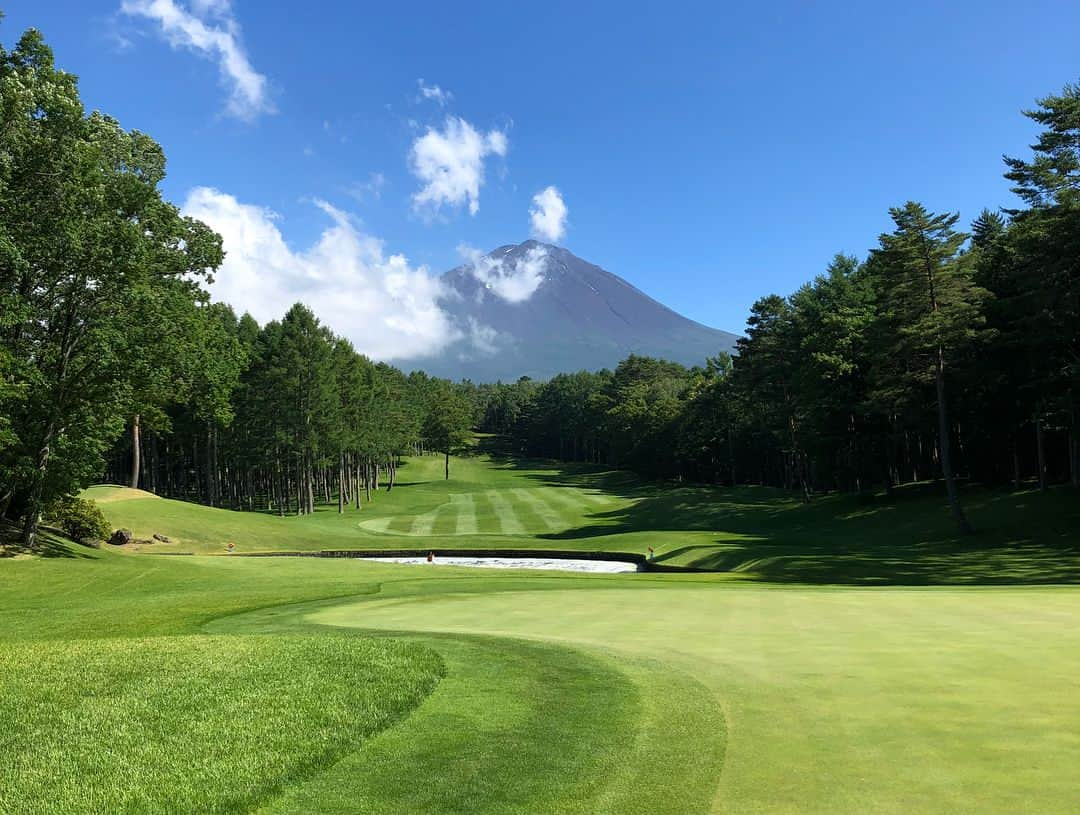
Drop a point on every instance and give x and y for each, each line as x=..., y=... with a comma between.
x=50, y=544
x=1025, y=537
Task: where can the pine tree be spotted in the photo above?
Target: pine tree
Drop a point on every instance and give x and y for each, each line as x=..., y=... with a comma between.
x=927, y=294
x=1045, y=241
x=448, y=420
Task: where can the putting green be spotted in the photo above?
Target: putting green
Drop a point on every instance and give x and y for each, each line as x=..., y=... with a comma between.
x=889, y=700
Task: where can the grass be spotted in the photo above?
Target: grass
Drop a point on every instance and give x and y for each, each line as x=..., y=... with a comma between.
x=750, y=533
x=835, y=700
x=750, y=690
x=191, y=724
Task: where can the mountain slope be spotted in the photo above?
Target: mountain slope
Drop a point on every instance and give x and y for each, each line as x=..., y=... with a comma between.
x=536, y=310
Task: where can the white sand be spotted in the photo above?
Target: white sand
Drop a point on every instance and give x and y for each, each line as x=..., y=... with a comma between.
x=561, y=564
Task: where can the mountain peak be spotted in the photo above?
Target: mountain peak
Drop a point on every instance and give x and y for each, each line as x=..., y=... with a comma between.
x=525, y=246
x=536, y=309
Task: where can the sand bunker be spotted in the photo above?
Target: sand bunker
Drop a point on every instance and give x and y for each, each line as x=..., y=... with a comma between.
x=560, y=564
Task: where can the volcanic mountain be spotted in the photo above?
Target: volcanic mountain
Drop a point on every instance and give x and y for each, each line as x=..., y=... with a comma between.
x=536, y=310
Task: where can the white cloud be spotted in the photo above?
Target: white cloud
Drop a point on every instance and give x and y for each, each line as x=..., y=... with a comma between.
x=514, y=280
x=450, y=163
x=209, y=28
x=435, y=93
x=387, y=308
x=483, y=338
x=548, y=215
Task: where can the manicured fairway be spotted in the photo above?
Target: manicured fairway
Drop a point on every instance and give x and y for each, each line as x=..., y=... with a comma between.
x=295, y=685
x=750, y=533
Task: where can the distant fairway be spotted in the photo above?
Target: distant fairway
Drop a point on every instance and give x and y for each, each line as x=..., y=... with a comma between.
x=787, y=681
x=492, y=512
x=749, y=533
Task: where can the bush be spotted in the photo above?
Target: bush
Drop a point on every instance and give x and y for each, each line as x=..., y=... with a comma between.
x=80, y=519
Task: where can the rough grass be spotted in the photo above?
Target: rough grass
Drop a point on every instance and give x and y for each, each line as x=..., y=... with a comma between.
x=191, y=724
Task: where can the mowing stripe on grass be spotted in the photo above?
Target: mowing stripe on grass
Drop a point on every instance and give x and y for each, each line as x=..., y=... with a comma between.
x=543, y=510
x=595, y=497
x=379, y=525
x=508, y=520
x=446, y=519
x=422, y=524
x=571, y=498
x=465, y=523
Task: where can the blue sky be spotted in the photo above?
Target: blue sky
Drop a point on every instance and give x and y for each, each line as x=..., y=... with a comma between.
x=709, y=153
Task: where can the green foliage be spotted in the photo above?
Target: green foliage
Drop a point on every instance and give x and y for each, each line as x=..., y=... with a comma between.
x=1052, y=176
x=81, y=520
x=86, y=240
x=926, y=294
x=448, y=419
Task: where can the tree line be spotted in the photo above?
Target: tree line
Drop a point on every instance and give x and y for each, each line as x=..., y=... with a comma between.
x=114, y=364
x=295, y=417
x=941, y=354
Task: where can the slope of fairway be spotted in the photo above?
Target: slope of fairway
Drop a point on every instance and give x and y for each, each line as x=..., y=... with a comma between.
x=482, y=505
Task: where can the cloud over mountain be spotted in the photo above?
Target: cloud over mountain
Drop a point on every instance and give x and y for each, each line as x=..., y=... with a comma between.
x=548, y=215
x=514, y=278
x=536, y=309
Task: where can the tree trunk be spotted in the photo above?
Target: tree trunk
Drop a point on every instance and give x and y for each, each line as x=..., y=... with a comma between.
x=341, y=483
x=211, y=492
x=1016, y=460
x=299, y=485
x=945, y=448
x=136, y=455
x=310, y=479
x=1074, y=441
x=33, y=504
x=447, y=465
x=154, y=458
x=1040, y=453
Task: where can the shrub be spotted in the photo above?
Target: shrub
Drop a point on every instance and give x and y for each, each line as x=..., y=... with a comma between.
x=80, y=519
